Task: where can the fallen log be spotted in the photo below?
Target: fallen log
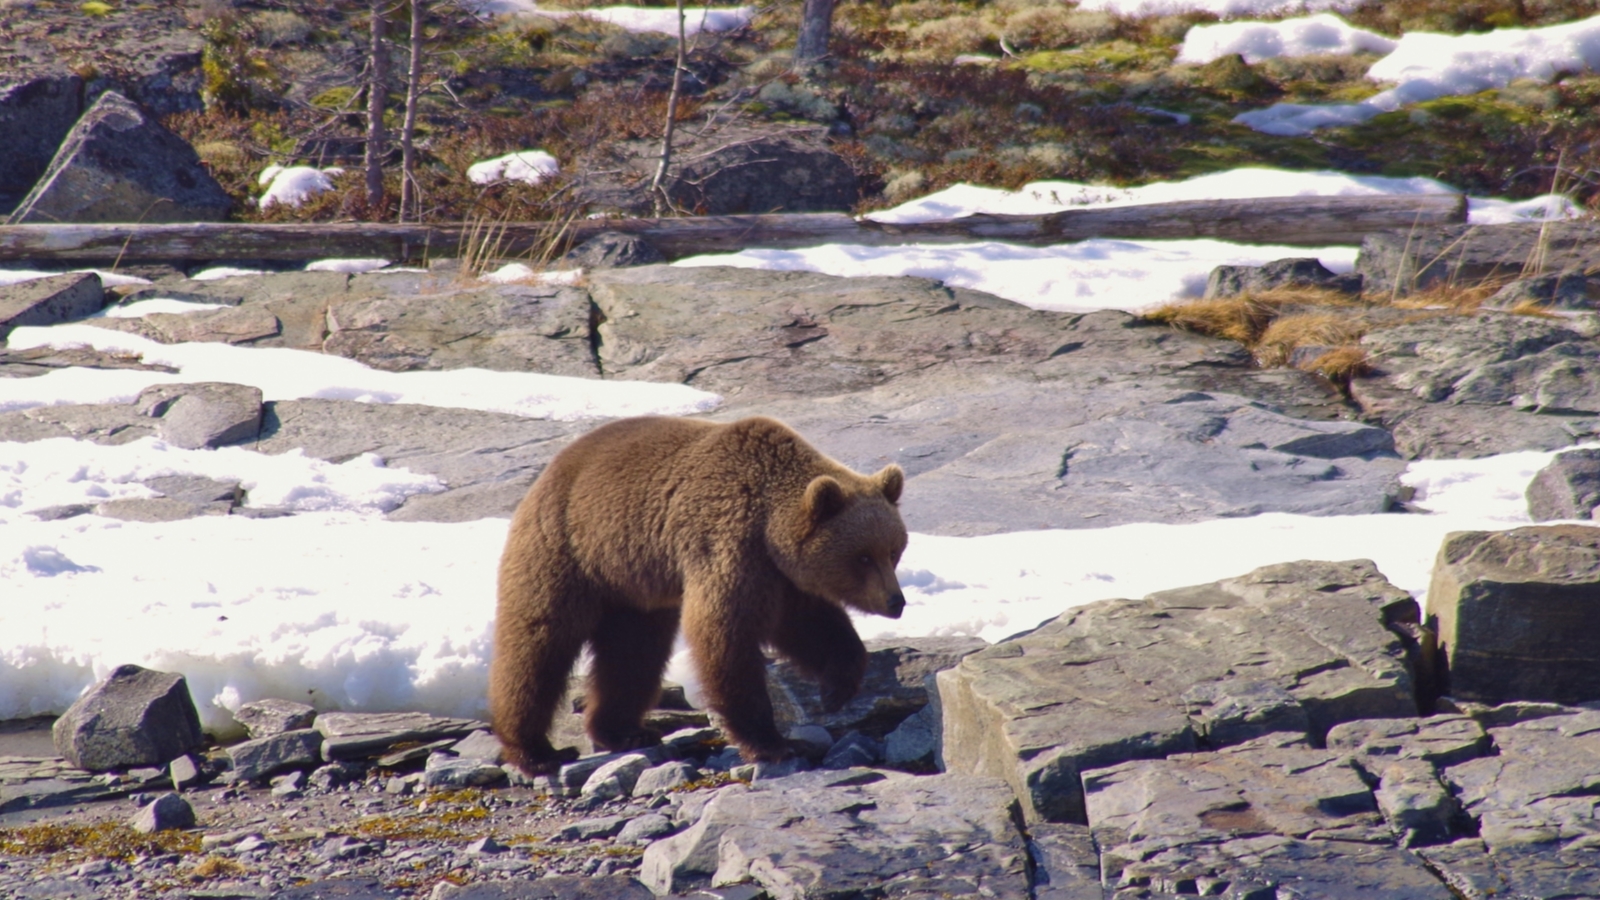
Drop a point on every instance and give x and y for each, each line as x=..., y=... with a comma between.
x=1302, y=221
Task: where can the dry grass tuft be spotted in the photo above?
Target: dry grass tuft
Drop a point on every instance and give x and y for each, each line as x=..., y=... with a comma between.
x=217, y=867
x=1340, y=364
x=1242, y=318
x=1459, y=299
x=1280, y=339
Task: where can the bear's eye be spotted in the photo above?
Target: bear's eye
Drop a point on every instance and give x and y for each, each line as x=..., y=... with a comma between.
x=866, y=560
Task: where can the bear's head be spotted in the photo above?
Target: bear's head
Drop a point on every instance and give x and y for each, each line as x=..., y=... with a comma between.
x=848, y=540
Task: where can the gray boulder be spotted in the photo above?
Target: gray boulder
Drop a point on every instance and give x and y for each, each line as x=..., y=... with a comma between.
x=1567, y=488
x=35, y=115
x=207, y=414
x=1417, y=258
x=135, y=717
x=611, y=250
x=1513, y=613
x=265, y=718
x=46, y=301
x=850, y=833
x=1104, y=683
x=1567, y=290
x=263, y=757
x=893, y=688
x=1230, y=281
x=165, y=813
x=663, y=778
x=118, y=165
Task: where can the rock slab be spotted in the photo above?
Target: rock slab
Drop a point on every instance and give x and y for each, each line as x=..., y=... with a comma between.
x=135, y=717
x=46, y=301
x=1105, y=683
x=1514, y=613
x=851, y=833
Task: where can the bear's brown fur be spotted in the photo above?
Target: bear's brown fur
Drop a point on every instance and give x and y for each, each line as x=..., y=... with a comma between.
x=743, y=531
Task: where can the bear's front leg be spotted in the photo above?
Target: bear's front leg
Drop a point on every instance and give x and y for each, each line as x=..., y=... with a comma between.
x=818, y=637
x=725, y=630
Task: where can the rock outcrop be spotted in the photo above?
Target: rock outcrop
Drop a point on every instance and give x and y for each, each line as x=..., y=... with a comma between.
x=1513, y=611
x=1296, y=648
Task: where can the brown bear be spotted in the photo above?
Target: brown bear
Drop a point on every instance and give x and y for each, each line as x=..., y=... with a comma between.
x=744, y=532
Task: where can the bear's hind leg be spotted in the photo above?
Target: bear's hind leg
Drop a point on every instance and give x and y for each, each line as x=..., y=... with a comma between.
x=631, y=648
x=817, y=636
x=540, y=628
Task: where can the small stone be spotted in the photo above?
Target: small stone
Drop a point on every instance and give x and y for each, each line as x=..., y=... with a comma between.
x=486, y=845
x=288, y=785
x=725, y=760
x=257, y=759
x=644, y=829
x=766, y=771
x=615, y=778
x=448, y=772
x=166, y=812
x=265, y=718
x=812, y=740
x=401, y=784
x=664, y=777
x=335, y=775
x=185, y=771
x=687, y=740
x=854, y=749
x=342, y=847
x=480, y=745
x=593, y=828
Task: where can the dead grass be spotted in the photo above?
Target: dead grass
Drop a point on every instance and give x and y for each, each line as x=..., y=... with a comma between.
x=1340, y=365
x=1276, y=345
x=1242, y=318
x=1272, y=325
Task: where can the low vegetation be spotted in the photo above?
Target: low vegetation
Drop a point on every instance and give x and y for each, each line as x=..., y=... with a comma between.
x=1042, y=91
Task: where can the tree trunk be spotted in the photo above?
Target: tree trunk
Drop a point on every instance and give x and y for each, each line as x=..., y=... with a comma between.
x=816, y=21
x=658, y=187
x=377, y=95
x=410, y=203
x=1305, y=221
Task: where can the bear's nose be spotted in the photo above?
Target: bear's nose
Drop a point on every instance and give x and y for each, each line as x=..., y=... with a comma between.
x=897, y=605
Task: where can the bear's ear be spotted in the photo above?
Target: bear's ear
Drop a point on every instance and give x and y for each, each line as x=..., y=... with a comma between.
x=891, y=481
x=824, y=498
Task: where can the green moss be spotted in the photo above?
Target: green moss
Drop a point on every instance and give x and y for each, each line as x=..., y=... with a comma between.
x=335, y=98
x=97, y=9
x=1109, y=56
x=104, y=840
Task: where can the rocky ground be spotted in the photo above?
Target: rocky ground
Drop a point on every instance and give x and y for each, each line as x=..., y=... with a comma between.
x=1279, y=734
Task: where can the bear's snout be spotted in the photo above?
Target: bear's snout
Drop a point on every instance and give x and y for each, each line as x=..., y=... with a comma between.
x=896, y=605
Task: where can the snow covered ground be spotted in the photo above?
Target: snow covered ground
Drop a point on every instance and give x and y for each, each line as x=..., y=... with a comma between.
x=1106, y=273
x=345, y=609
x=630, y=18
x=1422, y=66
